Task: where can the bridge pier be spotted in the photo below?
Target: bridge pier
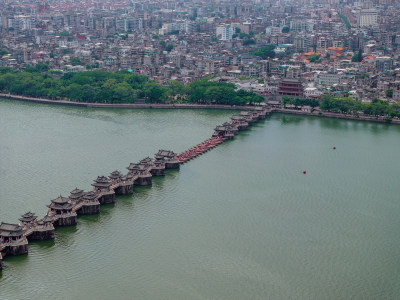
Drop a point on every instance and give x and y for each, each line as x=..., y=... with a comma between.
x=41, y=235
x=124, y=188
x=158, y=171
x=144, y=179
x=89, y=209
x=16, y=249
x=107, y=197
x=65, y=220
x=172, y=164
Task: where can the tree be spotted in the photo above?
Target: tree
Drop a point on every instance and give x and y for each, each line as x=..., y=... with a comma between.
x=169, y=47
x=175, y=88
x=249, y=42
x=357, y=57
x=153, y=92
x=285, y=29
x=314, y=58
x=265, y=52
x=123, y=93
x=389, y=93
x=64, y=33
x=75, y=61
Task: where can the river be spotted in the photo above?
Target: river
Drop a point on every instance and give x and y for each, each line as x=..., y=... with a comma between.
x=239, y=222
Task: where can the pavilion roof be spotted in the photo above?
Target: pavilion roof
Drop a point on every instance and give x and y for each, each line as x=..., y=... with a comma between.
x=166, y=153
x=7, y=229
x=76, y=193
x=60, y=200
x=115, y=175
x=132, y=166
x=46, y=219
x=89, y=196
x=28, y=217
x=57, y=206
x=101, y=181
x=147, y=160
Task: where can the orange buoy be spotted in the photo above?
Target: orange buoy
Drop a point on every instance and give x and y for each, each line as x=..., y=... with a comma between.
x=304, y=172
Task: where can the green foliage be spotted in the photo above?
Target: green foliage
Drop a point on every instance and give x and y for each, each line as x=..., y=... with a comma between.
x=40, y=67
x=249, y=42
x=345, y=20
x=389, y=93
x=314, y=58
x=300, y=101
x=348, y=105
x=118, y=87
x=357, y=57
x=205, y=91
x=154, y=93
x=285, y=29
x=169, y=47
x=175, y=88
x=64, y=33
x=243, y=35
x=3, y=52
x=75, y=61
x=265, y=52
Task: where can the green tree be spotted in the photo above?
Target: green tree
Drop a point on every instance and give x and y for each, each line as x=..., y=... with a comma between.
x=153, y=92
x=175, y=88
x=285, y=29
x=314, y=58
x=265, y=52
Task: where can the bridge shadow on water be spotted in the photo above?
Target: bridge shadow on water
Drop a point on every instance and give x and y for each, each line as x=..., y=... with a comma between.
x=64, y=236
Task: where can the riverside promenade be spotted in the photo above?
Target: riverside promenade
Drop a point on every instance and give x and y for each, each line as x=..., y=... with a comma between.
x=63, y=211
x=123, y=105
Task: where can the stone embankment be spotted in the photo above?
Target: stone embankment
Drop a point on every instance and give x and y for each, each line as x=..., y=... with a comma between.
x=123, y=105
x=325, y=114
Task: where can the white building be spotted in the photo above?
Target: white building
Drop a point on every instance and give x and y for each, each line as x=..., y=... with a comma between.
x=271, y=30
x=367, y=17
x=225, y=32
x=327, y=78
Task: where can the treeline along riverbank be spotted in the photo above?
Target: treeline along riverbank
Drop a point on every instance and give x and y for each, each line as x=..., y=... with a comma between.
x=118, y=87
x=122, y=90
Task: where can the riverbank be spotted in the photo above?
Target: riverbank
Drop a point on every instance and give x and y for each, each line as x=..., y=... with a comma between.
x=196, y=106
x=124, y=105
x=326, y=114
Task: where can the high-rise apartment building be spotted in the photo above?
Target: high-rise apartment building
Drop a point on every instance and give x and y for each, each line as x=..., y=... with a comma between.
x=367, y=17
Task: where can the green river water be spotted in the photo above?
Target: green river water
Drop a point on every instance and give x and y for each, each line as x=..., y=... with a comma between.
x=239, y=222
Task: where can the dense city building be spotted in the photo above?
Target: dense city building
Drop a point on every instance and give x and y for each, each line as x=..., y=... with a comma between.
x=328, y=46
